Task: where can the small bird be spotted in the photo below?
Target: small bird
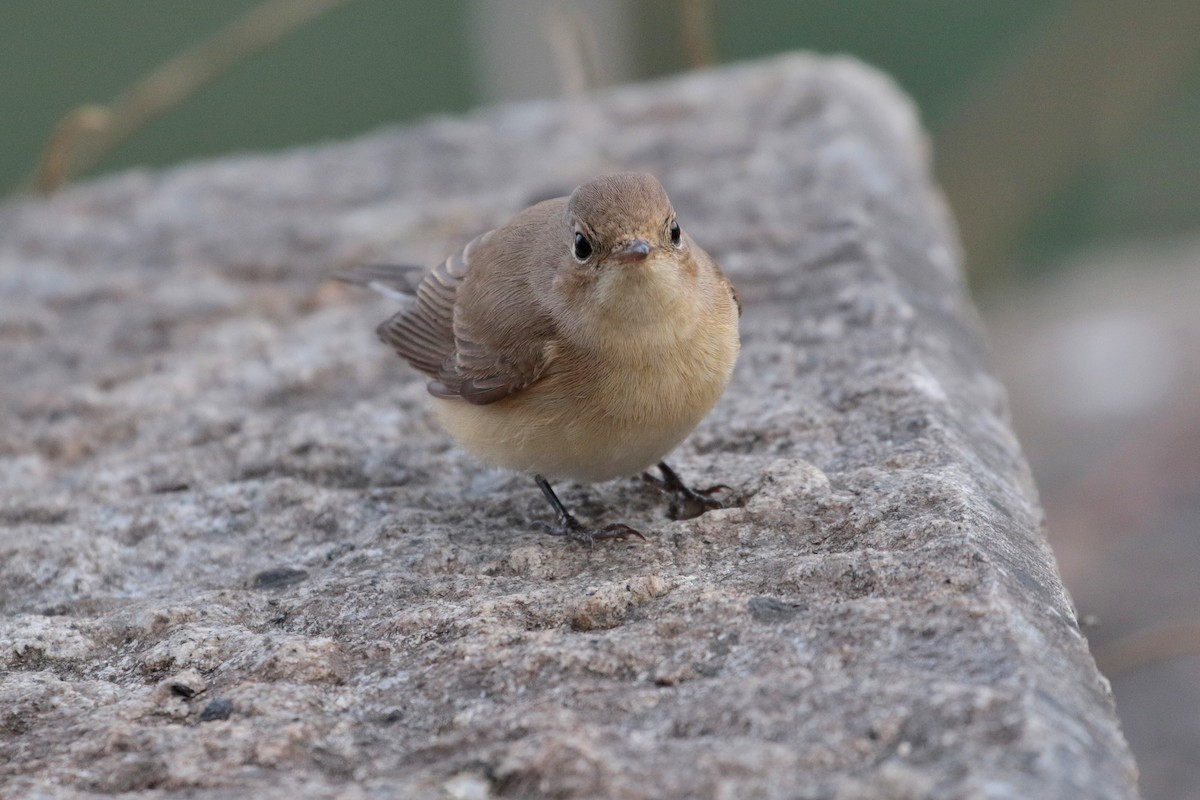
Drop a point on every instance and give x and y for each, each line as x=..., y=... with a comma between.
x=583, y=340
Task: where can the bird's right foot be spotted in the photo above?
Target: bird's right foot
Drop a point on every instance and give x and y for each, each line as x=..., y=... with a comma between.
x=571, y=528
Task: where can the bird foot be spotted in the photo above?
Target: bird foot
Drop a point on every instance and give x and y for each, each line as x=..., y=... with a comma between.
x=571, y=528
x=685, y=502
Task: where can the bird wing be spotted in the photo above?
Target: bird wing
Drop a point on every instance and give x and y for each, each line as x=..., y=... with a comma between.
x=398, y=282
x=729, y=287
x=423, y=332
x=716, y=269
x=470, y=356
x=481, y=376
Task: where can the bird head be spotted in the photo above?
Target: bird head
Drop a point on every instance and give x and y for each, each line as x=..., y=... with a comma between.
x=626, y=258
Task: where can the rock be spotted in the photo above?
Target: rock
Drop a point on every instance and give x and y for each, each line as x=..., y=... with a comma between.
x=208, y=466
x=279, y=577
x=218, y=708
x=187, y=684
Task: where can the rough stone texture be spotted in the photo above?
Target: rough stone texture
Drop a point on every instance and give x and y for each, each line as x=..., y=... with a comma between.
x=239, y=559
x=1102, y=363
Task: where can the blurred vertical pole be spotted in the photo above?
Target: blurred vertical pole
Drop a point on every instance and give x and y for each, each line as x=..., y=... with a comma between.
x=696, y=18
x=1084, y=87
x=544, y=48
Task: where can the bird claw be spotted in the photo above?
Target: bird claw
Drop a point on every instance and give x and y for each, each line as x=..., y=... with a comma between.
x=686, y=502
x=572, y=529
x=693, y=503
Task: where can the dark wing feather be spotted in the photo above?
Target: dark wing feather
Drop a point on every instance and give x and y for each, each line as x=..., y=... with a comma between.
x=481, y=376
x=387, y=279
x=428, y=335
x=737, y=298
x=423, y=333
x=721, y=276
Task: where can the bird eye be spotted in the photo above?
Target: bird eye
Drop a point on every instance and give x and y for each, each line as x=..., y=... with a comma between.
x=675, y=233
x=583, y=248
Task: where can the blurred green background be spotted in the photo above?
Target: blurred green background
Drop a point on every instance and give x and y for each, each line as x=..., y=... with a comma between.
x=367, y=63
x=1066, y=135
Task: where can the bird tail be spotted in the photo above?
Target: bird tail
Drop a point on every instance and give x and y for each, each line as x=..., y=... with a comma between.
x=398, y=282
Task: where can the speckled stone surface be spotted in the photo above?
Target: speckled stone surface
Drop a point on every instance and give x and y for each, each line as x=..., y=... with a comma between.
x=238, y=558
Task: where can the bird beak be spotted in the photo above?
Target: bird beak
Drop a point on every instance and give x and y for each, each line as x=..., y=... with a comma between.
x=632, y=252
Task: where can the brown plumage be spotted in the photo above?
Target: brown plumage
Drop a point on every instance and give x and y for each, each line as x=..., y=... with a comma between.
x=583, y=339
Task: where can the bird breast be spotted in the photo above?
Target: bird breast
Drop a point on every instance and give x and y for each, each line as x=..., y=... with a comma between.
x=610, y=409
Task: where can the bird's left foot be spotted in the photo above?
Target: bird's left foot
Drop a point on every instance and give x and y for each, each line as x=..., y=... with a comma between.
x=686, y=502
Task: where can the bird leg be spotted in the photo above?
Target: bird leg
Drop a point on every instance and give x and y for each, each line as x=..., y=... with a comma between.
x=686, y=503
x=570, y=527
